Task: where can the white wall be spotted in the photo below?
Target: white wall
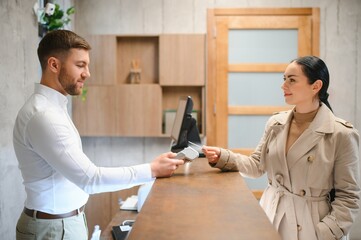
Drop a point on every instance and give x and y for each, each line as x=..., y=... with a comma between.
x=340, y=48
x=18, y=72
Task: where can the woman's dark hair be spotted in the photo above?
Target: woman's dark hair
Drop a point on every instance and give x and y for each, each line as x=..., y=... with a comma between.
x=314, y=68
x=59, y=42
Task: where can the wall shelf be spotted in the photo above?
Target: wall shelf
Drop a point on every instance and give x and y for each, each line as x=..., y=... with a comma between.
x=170, y=66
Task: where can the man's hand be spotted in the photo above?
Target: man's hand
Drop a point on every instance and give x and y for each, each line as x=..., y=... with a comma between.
x=165, y=165
x=212, y=153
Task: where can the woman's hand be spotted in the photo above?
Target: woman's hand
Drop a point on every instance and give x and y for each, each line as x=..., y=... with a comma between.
x=212, y=153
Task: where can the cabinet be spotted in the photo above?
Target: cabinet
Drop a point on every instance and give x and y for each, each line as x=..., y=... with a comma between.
x=169, y=66
x=101, y=207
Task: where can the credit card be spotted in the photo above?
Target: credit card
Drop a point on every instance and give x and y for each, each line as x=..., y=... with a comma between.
x=195, y=146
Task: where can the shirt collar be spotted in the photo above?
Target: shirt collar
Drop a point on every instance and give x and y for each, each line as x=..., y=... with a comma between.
x=53, y=95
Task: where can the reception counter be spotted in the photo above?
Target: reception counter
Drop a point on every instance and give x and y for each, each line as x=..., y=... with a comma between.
x=198, y=202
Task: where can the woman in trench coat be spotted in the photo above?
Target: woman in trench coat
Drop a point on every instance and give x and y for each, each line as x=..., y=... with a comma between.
x=307, y=153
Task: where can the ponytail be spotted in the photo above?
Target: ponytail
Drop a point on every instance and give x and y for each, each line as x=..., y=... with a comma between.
x=315, y=69
x=325, y=101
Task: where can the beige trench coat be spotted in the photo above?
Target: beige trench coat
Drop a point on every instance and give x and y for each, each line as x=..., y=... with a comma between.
x=296, y=200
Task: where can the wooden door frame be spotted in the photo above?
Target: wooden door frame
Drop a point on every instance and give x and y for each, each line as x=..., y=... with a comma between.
x=212, y=132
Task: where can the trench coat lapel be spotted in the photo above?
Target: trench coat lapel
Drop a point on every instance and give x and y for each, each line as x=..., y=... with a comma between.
x=311, y=136
x=303, y=144
x=280, y=131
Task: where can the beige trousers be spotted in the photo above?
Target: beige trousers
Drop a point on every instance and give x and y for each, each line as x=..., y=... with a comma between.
x=71, y=228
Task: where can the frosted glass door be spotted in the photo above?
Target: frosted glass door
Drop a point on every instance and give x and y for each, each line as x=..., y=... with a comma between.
x=248, y=52
x=253, y=88
x=262, y=45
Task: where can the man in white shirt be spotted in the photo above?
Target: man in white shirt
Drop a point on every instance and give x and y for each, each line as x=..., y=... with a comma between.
x=58, y=176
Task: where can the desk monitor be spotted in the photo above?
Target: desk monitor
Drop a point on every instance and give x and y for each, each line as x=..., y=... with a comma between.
x=185, y=126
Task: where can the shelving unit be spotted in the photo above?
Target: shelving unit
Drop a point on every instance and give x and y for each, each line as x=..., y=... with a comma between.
x=170, y=66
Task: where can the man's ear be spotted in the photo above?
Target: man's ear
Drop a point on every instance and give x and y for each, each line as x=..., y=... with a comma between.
x=317, y=85
x=54, y=64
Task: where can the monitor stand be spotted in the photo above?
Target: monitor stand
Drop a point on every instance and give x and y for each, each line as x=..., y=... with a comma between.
x=191, y=135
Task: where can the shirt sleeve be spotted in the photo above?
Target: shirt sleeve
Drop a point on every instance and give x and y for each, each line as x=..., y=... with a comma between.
x=51, y=136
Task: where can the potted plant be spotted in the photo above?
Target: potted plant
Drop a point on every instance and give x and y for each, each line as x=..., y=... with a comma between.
x=52, y=17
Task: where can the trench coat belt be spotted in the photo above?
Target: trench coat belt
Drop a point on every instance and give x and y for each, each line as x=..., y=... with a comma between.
x=280, y=191
x=44, y=215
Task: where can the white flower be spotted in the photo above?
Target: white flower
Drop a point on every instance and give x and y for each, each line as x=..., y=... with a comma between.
x=49, y=9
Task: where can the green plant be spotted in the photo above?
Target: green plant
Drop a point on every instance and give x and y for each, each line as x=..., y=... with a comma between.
x=57, y=20
x=52, y=17
x=84, y=91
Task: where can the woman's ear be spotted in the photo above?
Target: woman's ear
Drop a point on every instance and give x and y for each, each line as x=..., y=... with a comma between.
x=317, y=85
x=54, y=64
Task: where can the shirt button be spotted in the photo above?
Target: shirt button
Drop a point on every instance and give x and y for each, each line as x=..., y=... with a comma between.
x=299, y=228
x=302, y=192
x=310, y=158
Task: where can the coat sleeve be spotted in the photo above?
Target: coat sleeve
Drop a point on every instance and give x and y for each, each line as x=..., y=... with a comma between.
x=345, y=207
x=249, y=166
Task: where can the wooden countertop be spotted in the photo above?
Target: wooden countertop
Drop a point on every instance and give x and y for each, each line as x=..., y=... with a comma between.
x=199, y=202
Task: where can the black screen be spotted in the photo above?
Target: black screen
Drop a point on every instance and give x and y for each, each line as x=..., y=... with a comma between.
x=185, y=126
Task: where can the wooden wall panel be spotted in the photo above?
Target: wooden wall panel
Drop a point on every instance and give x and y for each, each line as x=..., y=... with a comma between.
x=96, y=115
x=115, y=107
x=139, y=110
x=102, y=60
x=182, y=60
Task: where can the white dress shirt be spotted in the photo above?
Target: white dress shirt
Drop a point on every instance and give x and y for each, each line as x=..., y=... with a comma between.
x=58, y=176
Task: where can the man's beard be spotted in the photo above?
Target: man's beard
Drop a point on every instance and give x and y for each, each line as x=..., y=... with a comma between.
x=67, y=84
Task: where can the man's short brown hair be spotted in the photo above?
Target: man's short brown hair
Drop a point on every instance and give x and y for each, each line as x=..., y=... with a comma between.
x=58, y=43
